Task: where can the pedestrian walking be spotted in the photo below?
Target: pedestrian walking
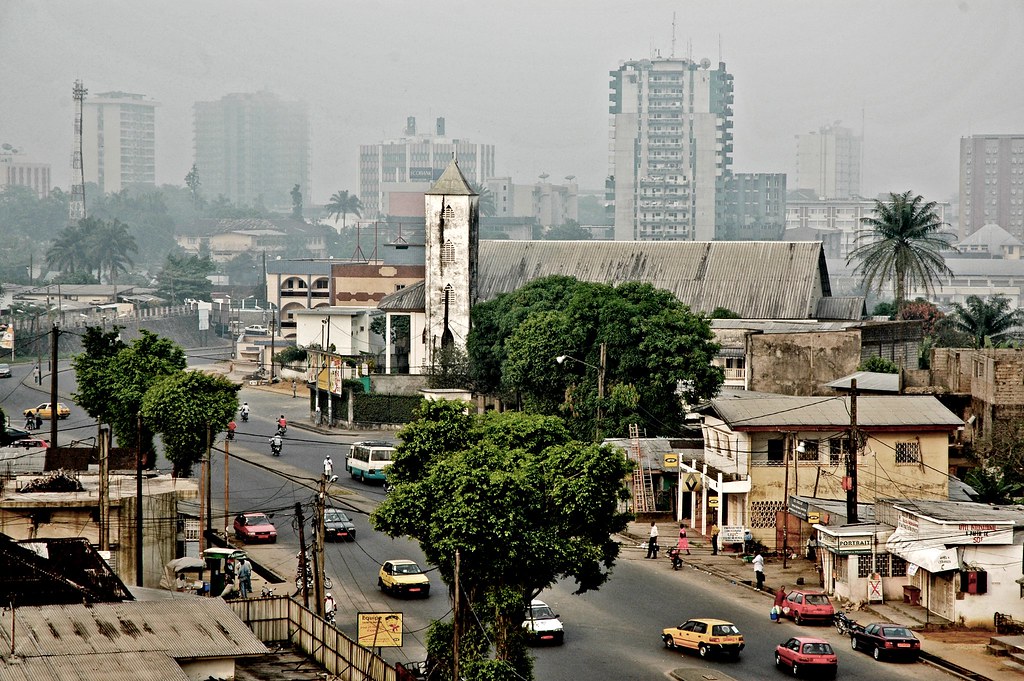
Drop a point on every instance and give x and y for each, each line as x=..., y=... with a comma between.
x=245, y=578
x=293, y=388
x=39, y=421
x=759, y=570
x=652, y=542
x=683, y=544
x=714, y=539
x=780, y=603
x=328, y=467
x=37, y=375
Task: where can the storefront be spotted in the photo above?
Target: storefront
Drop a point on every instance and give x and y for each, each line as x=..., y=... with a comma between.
x=855, y=564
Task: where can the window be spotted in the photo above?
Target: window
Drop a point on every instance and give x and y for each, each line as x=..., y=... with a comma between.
x=908, y=453
x=810, y=452
x=776, y=450
x=838, y=448
x=448, y=253
x=448, y=213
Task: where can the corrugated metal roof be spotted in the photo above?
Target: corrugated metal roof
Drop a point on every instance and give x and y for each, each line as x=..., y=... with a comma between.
x=452, y=182
x=868, y=381
x=841, y=307
x=755, y=279
x=185, y=628
x=135, y=666
x=409, y=299
x=964, y=511
x=784, y=411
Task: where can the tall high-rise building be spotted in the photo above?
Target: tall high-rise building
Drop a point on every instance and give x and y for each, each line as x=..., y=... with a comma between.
x=118, y=140
x=253, y=148
x=828, y=162
x=17, y=171
x=671, y=148
x=413, y=162
x=992, y=183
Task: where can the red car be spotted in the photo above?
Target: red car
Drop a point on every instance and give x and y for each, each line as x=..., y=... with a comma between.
x=253, y=527
x=31, y=443
x=808, y=605
x=886, y=640
x=803, y=654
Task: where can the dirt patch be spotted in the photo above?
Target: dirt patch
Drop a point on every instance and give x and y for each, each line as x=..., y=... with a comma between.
x=957, y=636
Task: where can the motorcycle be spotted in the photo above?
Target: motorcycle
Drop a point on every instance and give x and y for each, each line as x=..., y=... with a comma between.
x=275, y=447
x=281, y=430
x=328, y=583
x=266, y=592
x=844, y=625
x=245, y=417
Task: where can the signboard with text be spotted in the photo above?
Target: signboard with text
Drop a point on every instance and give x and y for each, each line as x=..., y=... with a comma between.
x=845, y=545
x=731, y=534
x=379, y=629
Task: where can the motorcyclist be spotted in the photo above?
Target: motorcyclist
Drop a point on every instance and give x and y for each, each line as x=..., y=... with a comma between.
x=30, y=422
x=282, y=425
x=245, y=411
x=231, y=430
x=276, y=443
x=676, y=557
x=329, y=607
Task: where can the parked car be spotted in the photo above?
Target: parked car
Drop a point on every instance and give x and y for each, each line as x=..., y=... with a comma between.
x=802, y=654
x=890, y=641
x=706, y=636
x=337, y=525
x=31, y=443
x=808, y=605
x=542, y=624
x=43, y=410
x=255, y=330
x=254, y=527
x=5, y=370
x=12, y=435
x=403, y=578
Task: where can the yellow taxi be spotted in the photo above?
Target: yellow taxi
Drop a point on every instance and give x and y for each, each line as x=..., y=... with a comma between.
x=706, y=636
x=43, y=411
x=403, y=578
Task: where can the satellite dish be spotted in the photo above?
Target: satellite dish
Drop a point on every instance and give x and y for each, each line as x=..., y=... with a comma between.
x=705, y=63
x=544, y=176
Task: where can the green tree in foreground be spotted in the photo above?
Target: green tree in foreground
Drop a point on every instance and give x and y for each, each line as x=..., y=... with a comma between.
x=568, y=231
x=185, y=408
x=986, y=321
x=113, y=379
x=902, y=243
x=518, y=504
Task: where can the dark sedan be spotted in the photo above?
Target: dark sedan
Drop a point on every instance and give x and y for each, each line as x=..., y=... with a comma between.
x=337, y=525
x=890, y=641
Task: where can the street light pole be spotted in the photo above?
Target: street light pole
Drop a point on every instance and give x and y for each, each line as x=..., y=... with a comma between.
x=603, y=365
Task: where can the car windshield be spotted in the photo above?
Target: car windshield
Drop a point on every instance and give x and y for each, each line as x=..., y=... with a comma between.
x=336, y=517
x=407, y=569
x=541, y=612
x=816, y=599
x=897, y=632
x=725, y=630
x=257, y=520
x=817, y=649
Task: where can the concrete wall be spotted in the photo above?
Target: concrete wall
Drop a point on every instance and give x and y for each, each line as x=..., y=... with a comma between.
x=801, y=363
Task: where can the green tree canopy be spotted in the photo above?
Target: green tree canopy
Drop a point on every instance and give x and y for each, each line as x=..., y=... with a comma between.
x=879, y=365
x=986, y=321
x=901, y=243
x=570, y=230
x=658, y=353
x=185, y=276
x=342, y=204
x=113, y=378
x=515, y=501
x=183, y=407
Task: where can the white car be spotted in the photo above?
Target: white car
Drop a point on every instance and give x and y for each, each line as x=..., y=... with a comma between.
x=255, y=330
x=542, y=624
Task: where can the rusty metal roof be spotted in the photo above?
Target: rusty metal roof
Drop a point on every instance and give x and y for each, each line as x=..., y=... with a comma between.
x=755, y=279
x=409, y=299
x=136, y=666
x=191, y=628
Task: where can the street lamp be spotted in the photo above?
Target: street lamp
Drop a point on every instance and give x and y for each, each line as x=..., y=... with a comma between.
x=600, y=382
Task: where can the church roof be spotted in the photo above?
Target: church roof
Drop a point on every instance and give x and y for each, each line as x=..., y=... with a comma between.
x=993, y=236
x=452, y=182
x=755, y=279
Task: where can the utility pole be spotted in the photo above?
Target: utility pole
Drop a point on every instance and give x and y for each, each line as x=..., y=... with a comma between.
x=272, y=330
x=209, y=478
x=138, y=500
x=602, y=365
x=202, y=506
x=104, y=491
x=455, y=619
x=303, y=568
x=851, y=458
x=785, y=503
x=54, y=342
x=318, y=550
x=227, y=507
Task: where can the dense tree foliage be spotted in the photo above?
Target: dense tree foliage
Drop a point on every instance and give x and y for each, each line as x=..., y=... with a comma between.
x=113, y=378
x=186, y=408
x=93, y=246
x=879, y=365
x=986, y=322
x=570, y=230
x=185, y=276
x=901, y=243
x=658, y=354
x=518, y=504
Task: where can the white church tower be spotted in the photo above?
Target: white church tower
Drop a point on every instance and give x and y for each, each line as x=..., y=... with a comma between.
x=452, y=246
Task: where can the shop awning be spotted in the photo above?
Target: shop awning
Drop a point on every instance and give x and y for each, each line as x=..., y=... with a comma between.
x=928, y=554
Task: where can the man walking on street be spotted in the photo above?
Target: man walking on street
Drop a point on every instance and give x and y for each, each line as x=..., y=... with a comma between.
x=245, y=579
x=652, y=542
x=37, y=375
x=328, y=467
x=714, y=539
x=759, y=570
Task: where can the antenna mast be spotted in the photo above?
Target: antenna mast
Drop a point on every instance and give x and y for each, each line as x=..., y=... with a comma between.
x=76, y=207
x=673, y=54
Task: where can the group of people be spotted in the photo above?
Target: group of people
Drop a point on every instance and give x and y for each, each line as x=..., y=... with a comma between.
x=682, y=544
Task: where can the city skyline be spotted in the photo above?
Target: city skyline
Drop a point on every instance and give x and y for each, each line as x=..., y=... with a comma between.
x=538, y=88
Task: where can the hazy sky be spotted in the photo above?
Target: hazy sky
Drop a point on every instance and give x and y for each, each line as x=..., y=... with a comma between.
x=529, y=76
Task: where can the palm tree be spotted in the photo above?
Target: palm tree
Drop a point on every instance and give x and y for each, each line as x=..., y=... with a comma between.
x=67, y=254
x=902, y=242
x=119, y=244
x=485, y=202
x=342, y=204
x=986, y=320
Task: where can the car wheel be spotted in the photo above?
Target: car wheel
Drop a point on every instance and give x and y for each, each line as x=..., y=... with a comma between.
x=796, y=669
x=853, y=643
x=669, y=642
x=703, y=650
x=778, y=660
x=877, y=653
x=352, y=535
x=797, y=619
x=380, y=584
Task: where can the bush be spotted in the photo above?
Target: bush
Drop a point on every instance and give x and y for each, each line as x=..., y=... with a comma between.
x=879, y=365
x=377, y=408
